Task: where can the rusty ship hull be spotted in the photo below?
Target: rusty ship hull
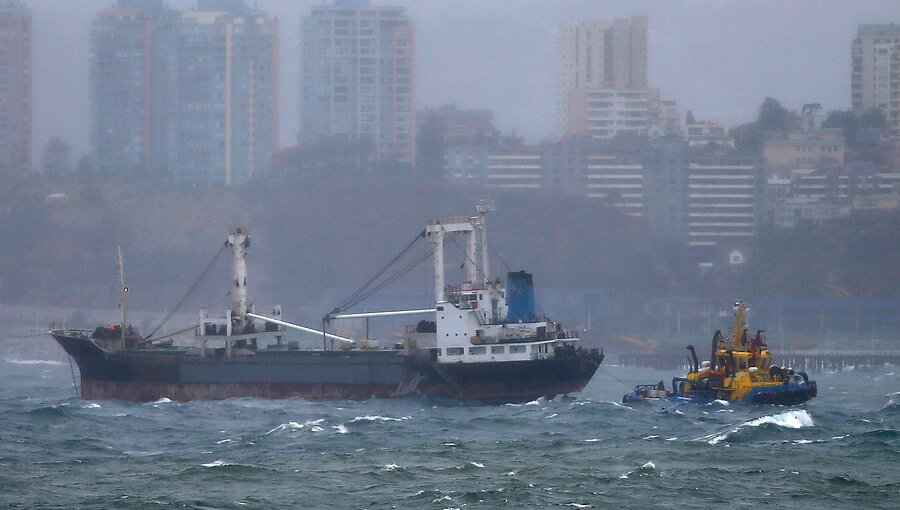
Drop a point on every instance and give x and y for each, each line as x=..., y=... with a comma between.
x=182, y=375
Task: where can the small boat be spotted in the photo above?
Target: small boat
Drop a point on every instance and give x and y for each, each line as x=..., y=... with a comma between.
x=644, y=392
x=740, y=369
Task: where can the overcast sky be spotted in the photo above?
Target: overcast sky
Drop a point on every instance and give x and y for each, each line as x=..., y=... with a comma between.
x=716, y=58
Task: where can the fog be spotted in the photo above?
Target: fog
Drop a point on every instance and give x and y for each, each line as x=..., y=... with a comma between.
x=600, y=268
x=716, y=58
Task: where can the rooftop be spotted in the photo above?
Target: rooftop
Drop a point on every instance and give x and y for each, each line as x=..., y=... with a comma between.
x=879, y=30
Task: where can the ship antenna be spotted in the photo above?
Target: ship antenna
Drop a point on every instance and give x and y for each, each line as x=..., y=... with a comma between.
x=123, y=290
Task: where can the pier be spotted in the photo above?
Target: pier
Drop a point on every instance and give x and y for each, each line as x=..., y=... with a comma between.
x=814, y=360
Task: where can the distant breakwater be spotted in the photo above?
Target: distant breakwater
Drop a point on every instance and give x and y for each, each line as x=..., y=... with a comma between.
x=816, y=360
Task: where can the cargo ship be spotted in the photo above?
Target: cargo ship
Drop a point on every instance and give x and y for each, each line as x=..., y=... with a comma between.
x=480, y=341
x=740, y=369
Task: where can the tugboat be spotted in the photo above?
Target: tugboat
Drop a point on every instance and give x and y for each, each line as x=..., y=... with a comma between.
x=485, y=343
x=744, y=371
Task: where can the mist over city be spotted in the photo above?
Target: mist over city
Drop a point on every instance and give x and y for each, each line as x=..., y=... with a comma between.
x=516, y=253
x=594, y=161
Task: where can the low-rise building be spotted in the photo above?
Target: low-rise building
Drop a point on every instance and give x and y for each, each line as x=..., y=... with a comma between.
x=783, y=155
x=703, y=133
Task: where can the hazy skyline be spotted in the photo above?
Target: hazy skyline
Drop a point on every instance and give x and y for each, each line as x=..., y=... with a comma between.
x=718, y=59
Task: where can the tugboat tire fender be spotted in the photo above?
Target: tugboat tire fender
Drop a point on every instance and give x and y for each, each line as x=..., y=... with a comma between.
x=804, y=376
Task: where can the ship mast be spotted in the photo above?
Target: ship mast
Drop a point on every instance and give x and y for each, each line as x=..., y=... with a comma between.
x=482, y=209
x=122, y=290
x=239, y=242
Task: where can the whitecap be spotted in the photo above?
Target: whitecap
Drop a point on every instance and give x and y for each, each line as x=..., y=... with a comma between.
x=341, y=429
x=672, y=439
x=33, y=362
x=92, y=405
x=142, y=453
x=224, y=441
x=554, y=415
x=215, y=463
x=286, y=426
x=648, y=438
x=579, y=505
x=390, y=467
x=477, y=464
x=592, y=440
x=648, y=466
x=790, y=419
x=724, y=403
x=379, y=418
x=316, y=428
x=163, y=400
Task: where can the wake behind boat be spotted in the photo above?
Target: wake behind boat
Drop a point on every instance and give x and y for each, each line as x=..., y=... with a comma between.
x=485, y=343
x=740, y=369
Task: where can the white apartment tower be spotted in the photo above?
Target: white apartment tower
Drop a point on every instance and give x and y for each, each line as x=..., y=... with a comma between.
x=600, y=55
x=875, y=77
x=357, y=77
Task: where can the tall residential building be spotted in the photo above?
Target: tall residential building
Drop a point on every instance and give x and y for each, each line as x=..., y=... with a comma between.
x=600, y=55
x=15, y=88
x=189, y=97
x=875, y=77
x=223, y=119
x=357, y=67
x=128, y=83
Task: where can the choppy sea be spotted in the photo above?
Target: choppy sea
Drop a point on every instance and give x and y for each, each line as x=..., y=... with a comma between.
x=840, y=450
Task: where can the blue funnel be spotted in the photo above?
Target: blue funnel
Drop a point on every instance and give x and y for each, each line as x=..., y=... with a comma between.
x=520, y=297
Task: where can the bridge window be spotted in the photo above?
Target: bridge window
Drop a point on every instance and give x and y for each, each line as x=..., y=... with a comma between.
x=516, y=349
x=498, y=349
x=455, y=351
x=478, y=350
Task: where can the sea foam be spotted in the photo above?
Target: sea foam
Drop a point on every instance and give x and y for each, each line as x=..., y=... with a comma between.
x=790, y=420
x=33, y=362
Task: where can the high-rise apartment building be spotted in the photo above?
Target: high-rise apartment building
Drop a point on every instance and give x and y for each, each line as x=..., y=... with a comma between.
x=128, y=85
x=357, y=77
x=875, y=76
x=223, y=123
x=600, y=55
x=190, y=96
x=15, y=88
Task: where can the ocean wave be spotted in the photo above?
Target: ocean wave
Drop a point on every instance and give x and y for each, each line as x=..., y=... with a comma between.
x=292, y=426
x=33, y=362
x=648, y=468
x=286, y=427
x=237, y=467
x=56, y=411
x=370, y=418
x=790, y=420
